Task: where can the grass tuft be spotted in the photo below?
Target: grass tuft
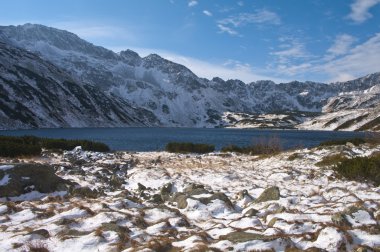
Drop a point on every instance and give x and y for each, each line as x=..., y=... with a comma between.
x=12, y=146
x=266, y=146
x=176, y=147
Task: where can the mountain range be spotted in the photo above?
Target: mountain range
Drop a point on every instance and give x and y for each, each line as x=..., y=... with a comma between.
x=53, y=78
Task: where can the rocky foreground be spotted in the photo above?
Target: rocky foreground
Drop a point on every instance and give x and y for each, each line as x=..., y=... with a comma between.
x=157, y=201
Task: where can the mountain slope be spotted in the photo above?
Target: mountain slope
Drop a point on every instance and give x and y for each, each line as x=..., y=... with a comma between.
x=171, y=91
x=177, y=97
x=36, y=93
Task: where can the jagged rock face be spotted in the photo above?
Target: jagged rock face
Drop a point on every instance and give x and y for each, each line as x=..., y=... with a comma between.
x=36, y=93
x=171, y=92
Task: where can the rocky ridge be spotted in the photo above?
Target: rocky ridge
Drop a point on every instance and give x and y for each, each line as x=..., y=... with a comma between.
x=171, y=95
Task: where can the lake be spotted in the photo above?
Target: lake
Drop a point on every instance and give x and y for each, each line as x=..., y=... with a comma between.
x=152, y=139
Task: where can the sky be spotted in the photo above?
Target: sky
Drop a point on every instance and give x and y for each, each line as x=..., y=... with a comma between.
x=281, y=40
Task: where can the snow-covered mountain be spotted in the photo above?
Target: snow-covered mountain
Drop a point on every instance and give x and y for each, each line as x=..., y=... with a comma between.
x=171, y=92
x=35, y=93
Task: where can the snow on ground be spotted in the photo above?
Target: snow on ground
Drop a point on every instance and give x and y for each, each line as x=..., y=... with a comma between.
x=156, y=201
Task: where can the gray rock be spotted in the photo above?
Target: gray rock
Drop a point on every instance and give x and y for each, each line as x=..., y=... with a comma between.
x=340, y=220
x=199, y=191
x=219, y=196
x=243, y=194
x=141, y=187
x=251, y=212
x=114, y=227
x=193, y=187
x=41, y=177
x=84, y=192
x=271, y=193
x=156, y=199
x=241, y=236
x=165, y=191
x=41, y=232
x=180, y=199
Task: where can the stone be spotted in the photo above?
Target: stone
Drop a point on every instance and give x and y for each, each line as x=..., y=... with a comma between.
x=271, y=193
x=242, y=194
x=141, y=187
x=272, y=222
x=340, y=220
x=251, y=212
x=41, y=177
x=180, y=199
x=115, y=181
x=84, y=192
x=219, y=196
x=191, y=187
x=241, y=236
x=156, y=199
x=199, y=191
x=165, y=191
x=114, y=227
x=41, y=232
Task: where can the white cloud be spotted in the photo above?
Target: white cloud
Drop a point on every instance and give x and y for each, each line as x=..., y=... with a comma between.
x=341, y=46
x=240, y=3
x=291, y=50
x=225, y=29
x=91, y=30
x=192, y=3
x=348, y=62
x=207, y=13
x=360, y=60
x=360, y=10
x=259, y=17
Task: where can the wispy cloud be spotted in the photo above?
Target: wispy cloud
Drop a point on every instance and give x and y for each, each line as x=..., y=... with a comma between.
x=290, y=49
x=226, y=29
x=341, y=62
x=360, y=10
x=341, y=46
x=192, y=3
x=259, y=17
x=360, y=60
x=240, y=3
x=92, y=30
x=207, y=13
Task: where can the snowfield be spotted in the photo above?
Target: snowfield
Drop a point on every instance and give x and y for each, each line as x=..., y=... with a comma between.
x=158, y=201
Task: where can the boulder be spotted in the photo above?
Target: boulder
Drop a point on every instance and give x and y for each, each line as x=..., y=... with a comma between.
x=165, y=191
x=180, y=199
x=191, y=187
x=241, y=236
x=271, y=193
x=219, y=196
x=41, y=232
x=251, y=212
x=141, y=187
x=23, y=178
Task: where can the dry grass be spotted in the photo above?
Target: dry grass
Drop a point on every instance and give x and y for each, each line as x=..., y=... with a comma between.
x=99, y=232
x=12, y=207
x=37, y=246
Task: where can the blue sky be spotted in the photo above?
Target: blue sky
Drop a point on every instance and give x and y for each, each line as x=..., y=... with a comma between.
x=282, y=40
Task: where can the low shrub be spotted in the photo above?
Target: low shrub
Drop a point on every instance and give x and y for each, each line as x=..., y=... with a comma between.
x=356, y=141
x=267, y=146
x=176, y=147
x=63, y=144
x=360, y=169
x=12, y=149
x=331, y=160
x=11, y=146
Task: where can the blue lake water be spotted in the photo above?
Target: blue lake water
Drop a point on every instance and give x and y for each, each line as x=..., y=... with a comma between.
x=152, y=139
